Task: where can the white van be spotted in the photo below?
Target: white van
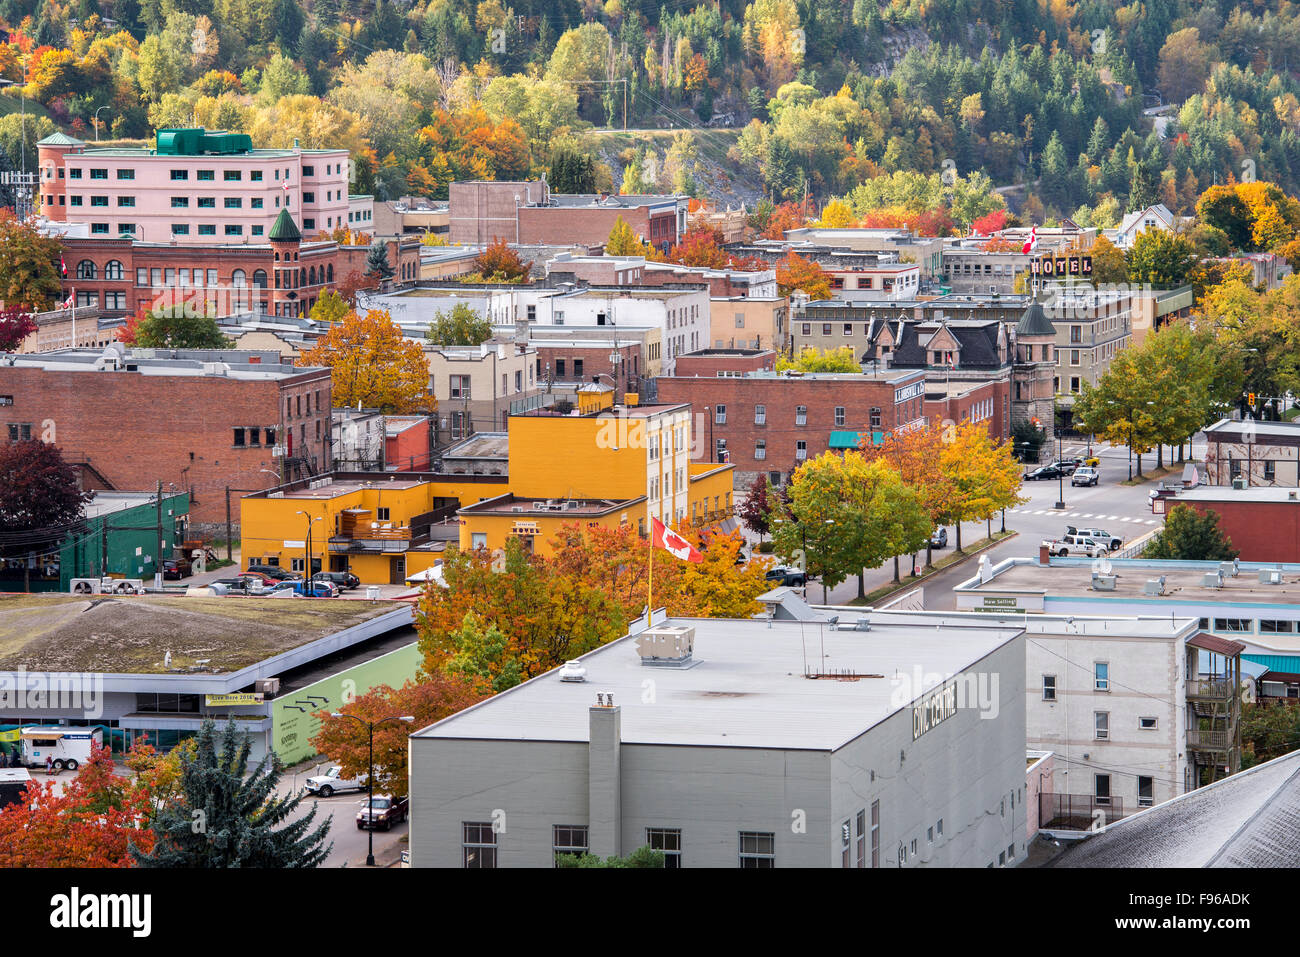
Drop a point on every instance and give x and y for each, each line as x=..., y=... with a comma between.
x=13, y=782
x=69, y=747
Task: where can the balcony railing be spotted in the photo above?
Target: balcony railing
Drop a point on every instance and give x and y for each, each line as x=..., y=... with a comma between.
x=1200, y=688
x=381, y=540
x=1078, y=812
x=1198, y=740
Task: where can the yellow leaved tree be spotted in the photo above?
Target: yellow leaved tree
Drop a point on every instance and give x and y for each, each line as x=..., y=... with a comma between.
x=983, y=477
x=371, y=363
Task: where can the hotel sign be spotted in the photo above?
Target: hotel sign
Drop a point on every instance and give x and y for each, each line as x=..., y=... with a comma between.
x=934, y=709
x=1061, y=266
x=525, y=528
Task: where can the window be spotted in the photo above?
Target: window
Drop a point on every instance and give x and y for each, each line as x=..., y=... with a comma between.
x=839, y=415
x=1147, y=724
x=1101, y=725
x=577, y=368
x=20, y=433
x=128, y=201
x=76, y=200
x=383, y=514
x=1076, y=334
x=309, y=171
x=1101, y=789
x=668, y=840
x=875, y=418
x=760, y=415
x=113, y=269
x=757, y=849
x=126, y=174
x=720, y=415
x=875, y=833
x=1270, y=471
x=257, y=230
x=801, y=415
x=807, y=328
x=180, y=229
x=1275, y=627
x=99, y=174
x=800, y=450
x=309, y=197
x=848, y=328
x=180, y=202
x=1074, y=384
x=239, y=437
x=182, y=174
x=207, y=229
x=1233, y=624
x=306, y=223
x=722, y=450
x=1101, y=676
x=99, y=229
x=760, y=449
x=86, y=269
x=1146, y=791
x=233, y=202
x=479, y=844
x=255, y=175
x=206, y=175
x=232, y=230
x=232, y=175
x=74, y=174
x=460, y=387
x=207, y=202
x=99, y=201
x=570, y=839
x=141, y=276
x=1074, y=357
x=826, y=328
x=1049, y=687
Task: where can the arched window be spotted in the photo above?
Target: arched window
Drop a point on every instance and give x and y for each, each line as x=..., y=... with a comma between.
x=112, y=269
x=277, y=257
x=329, y=273
x=86, y=270
x=311, y=276
x=259, y=279
x=239, y=278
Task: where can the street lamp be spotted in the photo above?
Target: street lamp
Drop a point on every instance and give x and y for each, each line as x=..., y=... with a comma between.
x=97, y=112
x=370, y=778
x=1060, y=472
x=307, y=565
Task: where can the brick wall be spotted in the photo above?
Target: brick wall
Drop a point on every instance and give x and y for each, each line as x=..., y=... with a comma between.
x=135, y=430
x=594, y=359
x=781, y=399
x=710, y=364
x=1261, y=531
x=987, y=403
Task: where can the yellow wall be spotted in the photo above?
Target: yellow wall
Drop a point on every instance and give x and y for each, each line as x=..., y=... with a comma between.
x=267, y=523
x=499, y=528
x=576, y=457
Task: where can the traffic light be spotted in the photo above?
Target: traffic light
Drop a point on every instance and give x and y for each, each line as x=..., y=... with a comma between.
x=1250, y=399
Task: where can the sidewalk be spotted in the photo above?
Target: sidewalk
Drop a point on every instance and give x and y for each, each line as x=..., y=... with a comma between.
x=390, y=855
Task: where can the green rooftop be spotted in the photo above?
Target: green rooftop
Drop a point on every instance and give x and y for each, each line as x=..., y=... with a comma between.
x=284, y=229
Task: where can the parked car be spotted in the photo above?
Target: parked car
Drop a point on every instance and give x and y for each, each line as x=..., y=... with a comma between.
x=1112, y=542
x=1067, y=466
x=241, y=585
x=273, y=571
x=341, y=579
x=1042, y=472
x=384, y=811
x=312, y=589
x=176, y=568
x=1077, y=545
x=783, y=575
x=333, y=781
x=940, y=538
x=1085, y=475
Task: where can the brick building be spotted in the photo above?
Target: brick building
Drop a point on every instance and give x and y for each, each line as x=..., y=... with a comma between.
x=196, y=420
x=769, y=423
x=715, y=363
x=122, y=275
x=528, y=212
x=565, y=364
x=1261, y=523
x=1253, y=452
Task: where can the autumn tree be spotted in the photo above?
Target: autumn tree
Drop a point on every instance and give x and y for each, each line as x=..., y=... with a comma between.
x=812, y=359
x=176, y=327
x=1184, y=64
x=753, y=511
x=1108, y=262
x=624, y=242
x=29, y=270
x=795, y=272
x=429, y=698
x=330, y=307
x=41, y=500
x=701, y=245
x=499, y=263
x=372, y=363
x=92, y=821
x=917, y=456
x=16, y=324
x=463, y=326
x=1160, y=258
x=226, y=816
x=984, y=477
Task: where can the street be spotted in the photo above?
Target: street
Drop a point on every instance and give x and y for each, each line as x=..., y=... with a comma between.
x=341, y=809
x=1122, y=510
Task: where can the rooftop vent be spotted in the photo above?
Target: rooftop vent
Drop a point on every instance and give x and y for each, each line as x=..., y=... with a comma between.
x=573, y=671
x=1213, y=579
x=1230, y=569
x=1155, y=586
x=668, y=646
x=1104, y=582
x=1270, y=576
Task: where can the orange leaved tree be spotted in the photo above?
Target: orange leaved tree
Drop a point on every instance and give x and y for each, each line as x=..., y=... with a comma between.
x=373, y=364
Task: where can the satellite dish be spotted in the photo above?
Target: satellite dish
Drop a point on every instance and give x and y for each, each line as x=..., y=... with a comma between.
x=1105, y=566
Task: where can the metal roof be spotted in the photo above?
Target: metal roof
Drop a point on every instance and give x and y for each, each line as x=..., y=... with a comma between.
x=1219, y=646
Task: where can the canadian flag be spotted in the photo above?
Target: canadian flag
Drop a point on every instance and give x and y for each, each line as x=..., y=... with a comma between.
x=63, y=267
x=663, y=537
x=66, y=304
x=1031, y=244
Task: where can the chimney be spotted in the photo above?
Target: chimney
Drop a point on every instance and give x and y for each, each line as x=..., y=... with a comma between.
x=501, y=350
x=521, y=331
x=604, y=778
x=1044, y=554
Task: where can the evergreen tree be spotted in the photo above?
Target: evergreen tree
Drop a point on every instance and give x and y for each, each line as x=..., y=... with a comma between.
x=225, y=817
x=1189, y=535
x=377, y=262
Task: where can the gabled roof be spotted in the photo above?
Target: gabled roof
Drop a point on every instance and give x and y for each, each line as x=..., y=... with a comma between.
x=284, y=229
x=1034, y=322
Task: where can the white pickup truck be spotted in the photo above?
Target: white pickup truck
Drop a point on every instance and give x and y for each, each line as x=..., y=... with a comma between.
x=333, y=781
x=1080, y=545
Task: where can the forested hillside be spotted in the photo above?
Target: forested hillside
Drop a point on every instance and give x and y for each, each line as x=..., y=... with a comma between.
x=821, y=96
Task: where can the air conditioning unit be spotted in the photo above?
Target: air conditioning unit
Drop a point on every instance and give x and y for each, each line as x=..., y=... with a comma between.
x=1270, y=576
x=84, y=586
x=267, y=686
x=1213, y=580
x=1230, y=569
x=1155, y=586
x=1239, y=484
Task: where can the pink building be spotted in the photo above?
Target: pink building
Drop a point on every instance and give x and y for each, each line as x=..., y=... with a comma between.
x=195, y=187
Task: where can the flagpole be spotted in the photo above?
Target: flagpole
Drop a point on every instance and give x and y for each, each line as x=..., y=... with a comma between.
x=650, y=594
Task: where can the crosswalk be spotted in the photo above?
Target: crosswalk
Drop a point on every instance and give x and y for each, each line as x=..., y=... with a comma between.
x=1094, y=516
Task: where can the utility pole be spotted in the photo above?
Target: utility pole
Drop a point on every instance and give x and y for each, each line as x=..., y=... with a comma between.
x=229, y=533
x=158, y=558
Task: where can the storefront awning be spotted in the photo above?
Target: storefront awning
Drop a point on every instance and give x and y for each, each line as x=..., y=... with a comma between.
x=852, y=440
